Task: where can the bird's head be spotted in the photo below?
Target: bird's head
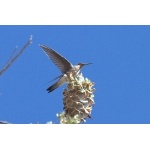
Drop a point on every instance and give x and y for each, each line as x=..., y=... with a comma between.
x=83, y=64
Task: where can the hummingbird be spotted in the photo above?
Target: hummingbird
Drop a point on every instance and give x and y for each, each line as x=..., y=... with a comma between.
x=64, y=66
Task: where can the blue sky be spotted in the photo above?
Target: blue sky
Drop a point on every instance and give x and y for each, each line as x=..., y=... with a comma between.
x=120, y=70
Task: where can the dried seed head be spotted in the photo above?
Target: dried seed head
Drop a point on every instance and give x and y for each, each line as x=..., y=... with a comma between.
x=78, y=100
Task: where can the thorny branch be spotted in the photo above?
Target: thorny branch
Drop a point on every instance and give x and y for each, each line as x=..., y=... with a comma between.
x=12, y=59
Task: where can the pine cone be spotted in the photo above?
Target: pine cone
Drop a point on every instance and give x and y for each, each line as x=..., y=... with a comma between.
x=78, y=100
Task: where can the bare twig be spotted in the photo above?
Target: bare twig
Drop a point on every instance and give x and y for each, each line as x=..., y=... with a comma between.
x=4, y=122
x=11, y=56
x=12, y=59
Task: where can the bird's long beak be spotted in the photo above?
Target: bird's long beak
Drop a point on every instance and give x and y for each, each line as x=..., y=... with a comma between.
x=87, y=63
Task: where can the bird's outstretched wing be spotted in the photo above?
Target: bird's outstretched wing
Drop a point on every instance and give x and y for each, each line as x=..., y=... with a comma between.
x=62, y=63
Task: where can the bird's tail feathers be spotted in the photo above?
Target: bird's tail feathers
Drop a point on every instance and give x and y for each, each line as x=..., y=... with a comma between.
x=54, y=79
x=52, y=88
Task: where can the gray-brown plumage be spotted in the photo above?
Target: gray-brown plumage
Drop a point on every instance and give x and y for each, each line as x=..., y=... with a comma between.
x=63, y=64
